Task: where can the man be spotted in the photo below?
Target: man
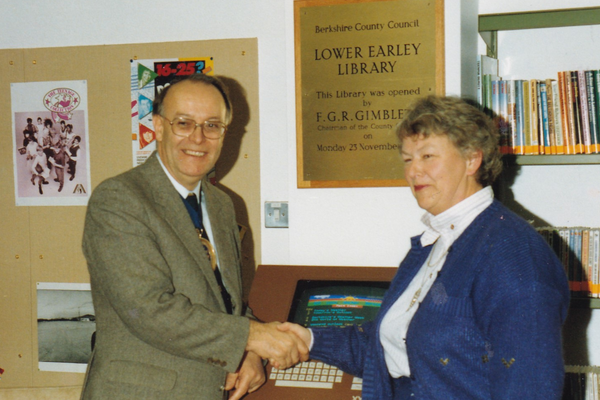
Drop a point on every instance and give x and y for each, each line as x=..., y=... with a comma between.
x=73, y=149
x=58, y=161
x=163, y=329
x=30, y=132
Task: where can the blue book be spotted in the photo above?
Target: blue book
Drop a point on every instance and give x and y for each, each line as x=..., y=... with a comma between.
x=519, y=112
x=544, y=114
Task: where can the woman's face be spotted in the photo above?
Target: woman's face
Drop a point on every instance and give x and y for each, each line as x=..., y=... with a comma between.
x=438, y=174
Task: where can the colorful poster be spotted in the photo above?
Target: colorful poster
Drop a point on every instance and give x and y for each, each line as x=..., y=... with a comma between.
x=50, y=143
x=148, y=78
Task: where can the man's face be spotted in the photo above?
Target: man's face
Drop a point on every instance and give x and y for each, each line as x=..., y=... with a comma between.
x=189, y=159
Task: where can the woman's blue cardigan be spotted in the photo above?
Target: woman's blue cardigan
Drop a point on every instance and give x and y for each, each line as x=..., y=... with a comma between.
x=489, y=328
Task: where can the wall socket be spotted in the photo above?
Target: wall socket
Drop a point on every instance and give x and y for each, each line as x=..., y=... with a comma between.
x=276, y=214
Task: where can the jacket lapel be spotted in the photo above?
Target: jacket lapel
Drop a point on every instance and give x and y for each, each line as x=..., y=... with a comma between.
x=174, y=212
x=224, y=240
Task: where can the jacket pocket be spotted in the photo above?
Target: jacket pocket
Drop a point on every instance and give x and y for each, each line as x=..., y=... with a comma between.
x=140, y=374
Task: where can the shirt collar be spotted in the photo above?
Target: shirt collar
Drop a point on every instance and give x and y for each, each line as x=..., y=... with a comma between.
x=182, y=190
x=451, y=223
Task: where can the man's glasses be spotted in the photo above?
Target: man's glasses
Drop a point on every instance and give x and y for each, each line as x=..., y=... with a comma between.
x=185, y=127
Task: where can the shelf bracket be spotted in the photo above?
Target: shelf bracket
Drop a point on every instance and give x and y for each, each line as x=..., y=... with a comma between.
x=491, y=40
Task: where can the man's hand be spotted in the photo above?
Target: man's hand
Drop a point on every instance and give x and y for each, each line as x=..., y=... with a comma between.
x=249, y=377
x=282, y=349
x=298, y=330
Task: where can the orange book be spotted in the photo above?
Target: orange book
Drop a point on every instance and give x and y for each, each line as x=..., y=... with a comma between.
x=564, y=111
x=595, y=256
x=585, y=272
x=571, y=114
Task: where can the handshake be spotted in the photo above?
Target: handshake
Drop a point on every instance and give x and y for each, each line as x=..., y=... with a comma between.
x=284, y=345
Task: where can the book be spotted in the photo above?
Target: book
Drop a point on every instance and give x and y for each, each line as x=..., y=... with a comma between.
x=543, y=115
x=585, y=272
x=527, y=117
x=486, y=66
x=518, y=143
x=498, y=118
x=519, y=111
x=534, y=114
x=596, y=263
x=550, y=108
x=578, y=140
x=596, y=74
x=564, y=255
x=575, y=259
x=558, y=123
x=584, y=112
x=564, y=112
x=572, y=148
x=504, y=124
x=593, y=116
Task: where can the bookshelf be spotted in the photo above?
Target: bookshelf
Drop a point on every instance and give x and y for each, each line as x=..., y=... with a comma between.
x=552, y=190
x=489, y=26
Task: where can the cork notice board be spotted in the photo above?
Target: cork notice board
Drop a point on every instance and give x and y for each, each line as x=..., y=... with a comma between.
x=43, y=244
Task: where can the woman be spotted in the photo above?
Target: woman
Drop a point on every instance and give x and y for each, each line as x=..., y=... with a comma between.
x=476, y=307
x=39, y=168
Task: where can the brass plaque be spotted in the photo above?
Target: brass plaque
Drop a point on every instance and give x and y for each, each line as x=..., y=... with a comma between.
x=359, y=65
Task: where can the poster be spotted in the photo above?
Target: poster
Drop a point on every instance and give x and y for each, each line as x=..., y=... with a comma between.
x=50, y=143
x=148, y=78
x=360, y=65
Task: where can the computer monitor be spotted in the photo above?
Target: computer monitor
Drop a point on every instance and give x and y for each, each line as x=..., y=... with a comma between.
x=316, y=296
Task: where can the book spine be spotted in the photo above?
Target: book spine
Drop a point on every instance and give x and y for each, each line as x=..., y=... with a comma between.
x=479, y=84
x=550, y=106
x=576, y=112
x=526, y=114
x=533, y=97
x=585, y=273
x=575, y=246
x=544, y=117
x=518, y=88
x=596, y=264
x=487, y=102
x=592, y=105
x=519, y=147
x=558, y=123
x=596, y=74
x=571, y=113
x=504, y=127
x=564, y=111
x=585, y=115
x=565, y=256
x=498, y=115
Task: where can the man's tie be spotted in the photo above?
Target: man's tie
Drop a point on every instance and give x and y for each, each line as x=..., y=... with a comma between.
x=192, y=200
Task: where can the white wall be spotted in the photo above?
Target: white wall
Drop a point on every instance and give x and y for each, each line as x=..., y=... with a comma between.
x=327, y=226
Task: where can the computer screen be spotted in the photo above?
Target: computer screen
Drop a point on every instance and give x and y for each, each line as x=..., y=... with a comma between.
x=315, y=296
x=335, y=303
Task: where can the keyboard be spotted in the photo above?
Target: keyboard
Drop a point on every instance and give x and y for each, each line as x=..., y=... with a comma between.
x=311, y=374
